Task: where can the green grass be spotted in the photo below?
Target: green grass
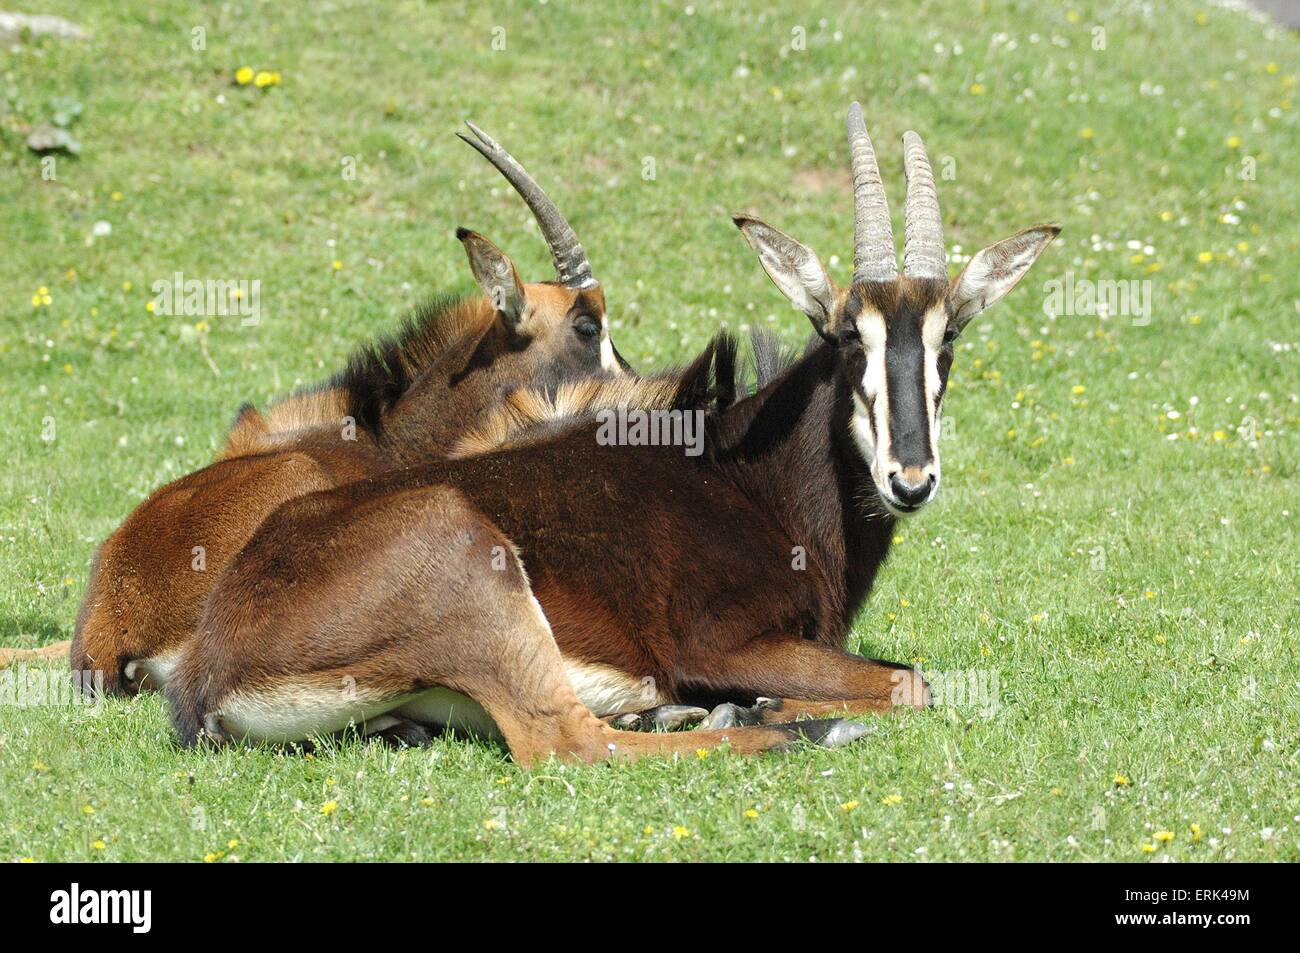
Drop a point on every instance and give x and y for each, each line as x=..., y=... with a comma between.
x=1134, y=595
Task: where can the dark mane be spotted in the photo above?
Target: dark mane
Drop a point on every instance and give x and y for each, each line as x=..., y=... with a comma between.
x=531, y=416
x=770, y=358
x=380, y=372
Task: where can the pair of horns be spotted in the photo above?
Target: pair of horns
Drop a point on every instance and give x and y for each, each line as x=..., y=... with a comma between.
x=874, y=258
x=571, y=265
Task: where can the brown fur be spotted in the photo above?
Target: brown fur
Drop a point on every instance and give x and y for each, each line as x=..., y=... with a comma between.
x=406, y=399
x=735, y=574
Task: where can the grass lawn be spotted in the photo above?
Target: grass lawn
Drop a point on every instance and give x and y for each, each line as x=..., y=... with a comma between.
x=1112, y=560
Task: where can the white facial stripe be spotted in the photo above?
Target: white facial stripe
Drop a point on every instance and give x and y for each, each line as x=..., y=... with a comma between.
x=933, y=327
x=607, y=359
x=871, y=328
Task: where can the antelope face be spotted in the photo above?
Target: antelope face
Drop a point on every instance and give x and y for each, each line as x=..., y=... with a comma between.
x=897, y=341
x=549, y=331
x=895, y=334
x=543, y=333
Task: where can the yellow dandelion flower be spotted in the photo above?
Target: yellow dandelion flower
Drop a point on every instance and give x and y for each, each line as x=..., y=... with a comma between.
x=1161, y=638
x=127, y=286
x=116, y=196
x=905, y=603
x=1163, y=836
x=751, y=814
x=40, y=767
x=98, y=845
x=977, y=89
x=1148, y=848
x=1011, y=434
x=1205, y=257
x=891, y=799
x=1194, y=319
x=849, y=806
x=1086, y=132
x=1057, y=792
x=1137, y=259
x=244, y=75
x=491, y=824
x=985, y=650
x=1196, y=833
x=1243, y=246
x=275, y=77
x=67, y=368
x=1078, y=389
x=329, y=807
x=211, y=857
x=200, y=326
x=701, y=753
x=1150, y=594
x=1166, y=216
x=648, y=830
x=1232, y=142
x=1220, y=436
x=87, y=809
x=1068, y=461
x=262, y=79
x=503, y=780
x=1202, y=18
x=1072, y=16
x=1271, y=69
x=232, y=843
x=679, y=832
x=427, y=801
x=36, y=301
x=26, y=860
x=898, y=540
x=1120, y=779
x=150, y=306
x=336, y=264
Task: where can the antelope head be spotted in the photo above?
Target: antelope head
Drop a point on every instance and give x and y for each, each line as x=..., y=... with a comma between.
x=562, y=323
x=895, y=334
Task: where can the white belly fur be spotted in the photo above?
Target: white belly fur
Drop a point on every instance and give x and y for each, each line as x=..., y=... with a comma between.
x=294, y=711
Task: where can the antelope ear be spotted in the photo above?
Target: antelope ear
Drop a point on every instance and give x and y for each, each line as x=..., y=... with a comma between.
x=794, y=268
x=996, y=270
x=496, y=274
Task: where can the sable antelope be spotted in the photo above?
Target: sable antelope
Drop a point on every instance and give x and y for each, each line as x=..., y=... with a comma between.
x=404, y=400
x=625, y=577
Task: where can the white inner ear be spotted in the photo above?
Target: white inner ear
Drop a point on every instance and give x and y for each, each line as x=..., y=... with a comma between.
x=994, y=271
x=801, y=279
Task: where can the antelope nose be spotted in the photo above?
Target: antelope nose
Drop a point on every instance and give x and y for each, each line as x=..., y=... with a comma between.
x=908, y=493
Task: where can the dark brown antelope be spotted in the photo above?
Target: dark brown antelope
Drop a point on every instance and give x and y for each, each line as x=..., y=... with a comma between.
x=405, y=400
x=524, y=591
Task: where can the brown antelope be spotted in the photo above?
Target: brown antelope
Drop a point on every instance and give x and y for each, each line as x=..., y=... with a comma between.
x=405, y=400
x=523, y=592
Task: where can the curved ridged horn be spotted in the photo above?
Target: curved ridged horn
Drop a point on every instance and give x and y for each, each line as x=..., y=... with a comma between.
x=571, y=265
x=874, y=257
x=923, y=252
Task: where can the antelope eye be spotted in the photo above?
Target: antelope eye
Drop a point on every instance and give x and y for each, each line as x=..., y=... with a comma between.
x=950, y=334
x=848, y=335
x=587, y=327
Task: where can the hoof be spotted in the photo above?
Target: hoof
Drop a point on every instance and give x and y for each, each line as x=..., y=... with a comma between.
x=660, y=718
x=828, y=733
x=728, y=715
x=404, y=734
